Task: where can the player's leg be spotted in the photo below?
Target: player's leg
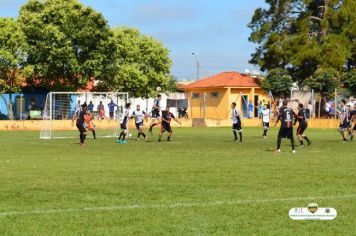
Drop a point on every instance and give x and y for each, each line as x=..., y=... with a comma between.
x=342, y=132
x=141, y=131
x=279, y=140
x=299, y=135
x=239, y=129
x=234, y=129
x=305, y=137
x=350, y=131
x=161, y=133
x=265, y=129
x=291, y=137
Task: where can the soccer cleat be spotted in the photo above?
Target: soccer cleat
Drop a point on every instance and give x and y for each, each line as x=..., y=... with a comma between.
x=351, y=138
x=118, y=141
x=240, y=140
x=264, y=136
x=146, y=139
x=234, y=140
x=302, y=145
x=309, y=142
x=278, y=150
x=124, y=142
x=345, y=140
x=293, y=151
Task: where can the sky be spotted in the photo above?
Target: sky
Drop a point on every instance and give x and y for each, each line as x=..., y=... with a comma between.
x=216, y=31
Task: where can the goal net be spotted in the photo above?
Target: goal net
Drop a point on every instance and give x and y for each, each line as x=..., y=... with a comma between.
x=60, y=107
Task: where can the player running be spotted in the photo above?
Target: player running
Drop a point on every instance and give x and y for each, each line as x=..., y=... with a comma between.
x=124, y=124
x=167, y=116
x=236, y=122
x=88, y=123
x=303, y=125
x=266, y=117
x=345, y=121
x=79, y=117
x=155, y=113
x=139, y=115
x=286, y=116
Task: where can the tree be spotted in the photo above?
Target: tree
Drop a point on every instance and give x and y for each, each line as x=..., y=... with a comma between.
x=304, y=35
x=279, y=82
x=349, y=81
x=141, y=64
x=12, y=57
x=69, y=44
x=324, y=81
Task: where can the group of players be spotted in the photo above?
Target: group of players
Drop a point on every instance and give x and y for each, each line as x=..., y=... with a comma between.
x=84, y=119
x=289, y=118
x=286, y=116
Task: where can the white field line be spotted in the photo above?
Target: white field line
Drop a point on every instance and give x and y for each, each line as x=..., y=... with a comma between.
x=171, y=206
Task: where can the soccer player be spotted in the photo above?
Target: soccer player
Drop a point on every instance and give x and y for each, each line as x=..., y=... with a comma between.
x=236, y=122
x=345, y=120
x=266, y=116
x=303, y=124
x=167, y=116
x=88, y=122
x=123, y=125
x=139, y=115
x=155, y=116
x=79, y=117
x=353, y=119
x=286, y=116
x=112, y=106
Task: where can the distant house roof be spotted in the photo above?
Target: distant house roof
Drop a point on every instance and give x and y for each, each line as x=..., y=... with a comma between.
x=223, y=80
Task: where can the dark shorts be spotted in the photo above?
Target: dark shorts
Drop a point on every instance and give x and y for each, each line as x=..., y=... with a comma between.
x=345, y=126
x=236, y=126
x=266, y=124
x=81, y=127
x=123, y=126
x=285, y=133
x=155, y=114
x=166, y=127
x=301, y=129
x=139, y=125
x=111, y=113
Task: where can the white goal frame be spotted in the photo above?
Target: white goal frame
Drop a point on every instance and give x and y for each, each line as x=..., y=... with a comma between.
x=47, y=117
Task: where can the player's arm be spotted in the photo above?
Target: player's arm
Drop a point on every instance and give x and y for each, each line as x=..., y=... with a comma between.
x=176, y=120
x=278, y=118
x=74, y=118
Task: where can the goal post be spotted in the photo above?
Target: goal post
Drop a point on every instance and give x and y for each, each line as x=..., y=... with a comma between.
x=60, y=107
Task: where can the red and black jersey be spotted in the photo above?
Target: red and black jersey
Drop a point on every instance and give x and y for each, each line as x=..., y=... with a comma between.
x=167, y=116
x=286, y=116
x=303, y=117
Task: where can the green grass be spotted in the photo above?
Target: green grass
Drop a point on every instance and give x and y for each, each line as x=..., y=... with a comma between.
x=200, y=167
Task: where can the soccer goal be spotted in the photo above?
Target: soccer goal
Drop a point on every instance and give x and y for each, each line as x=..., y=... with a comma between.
x=60, y=107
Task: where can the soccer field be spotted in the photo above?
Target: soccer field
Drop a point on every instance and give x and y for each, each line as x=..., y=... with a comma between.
x=201, y=183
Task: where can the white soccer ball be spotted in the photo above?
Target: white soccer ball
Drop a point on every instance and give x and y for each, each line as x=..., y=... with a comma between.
x=159, y=89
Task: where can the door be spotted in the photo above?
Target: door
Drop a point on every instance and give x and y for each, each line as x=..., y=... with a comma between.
x=244, y=105
x=256, y=106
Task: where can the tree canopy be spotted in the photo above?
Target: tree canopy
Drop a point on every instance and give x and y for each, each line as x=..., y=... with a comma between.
x=279, y=82
x=141, y=64
x=69, y=43
x=12, y=57
x=303, y=36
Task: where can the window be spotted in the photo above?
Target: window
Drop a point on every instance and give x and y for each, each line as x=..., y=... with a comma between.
x=214, y=94
x=195, y=95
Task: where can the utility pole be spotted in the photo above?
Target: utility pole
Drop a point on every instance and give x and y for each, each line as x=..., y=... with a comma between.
x=197, y=65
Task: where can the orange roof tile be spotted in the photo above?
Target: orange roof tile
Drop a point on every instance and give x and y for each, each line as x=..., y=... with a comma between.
x=225, y=79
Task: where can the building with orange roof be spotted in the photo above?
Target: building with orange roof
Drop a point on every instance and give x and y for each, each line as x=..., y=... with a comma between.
x=211, y=98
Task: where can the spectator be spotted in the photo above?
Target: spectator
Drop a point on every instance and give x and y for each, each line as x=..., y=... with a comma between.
x=111, y=106
x=78, y=107
x=250, y=110
x=327, y=109
x=310, y=108
x=101, y=110
x=91, y=107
